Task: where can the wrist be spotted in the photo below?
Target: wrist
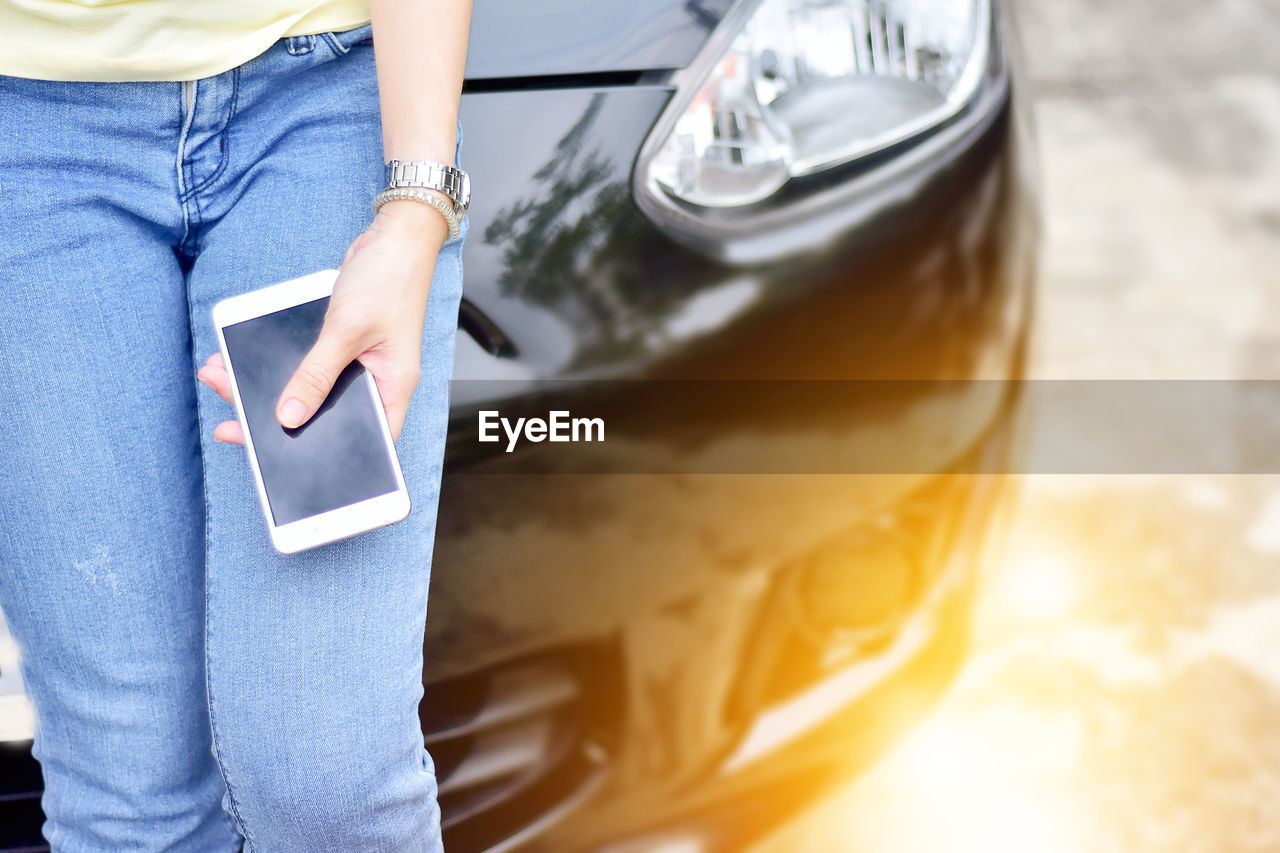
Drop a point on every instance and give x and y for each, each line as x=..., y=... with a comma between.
x=422, y=221
x=439, y=147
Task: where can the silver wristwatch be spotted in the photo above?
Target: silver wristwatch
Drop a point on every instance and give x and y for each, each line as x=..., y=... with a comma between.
x=424, y=174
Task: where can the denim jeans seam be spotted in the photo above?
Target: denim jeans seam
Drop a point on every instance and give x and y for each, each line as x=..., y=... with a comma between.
x=191, y=246
x=237, y=819
x=224, y=137
x=188, y=112
x=457, y=259
x=215, y=740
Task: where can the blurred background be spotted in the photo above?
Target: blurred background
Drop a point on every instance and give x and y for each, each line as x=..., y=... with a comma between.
x=1124, y=691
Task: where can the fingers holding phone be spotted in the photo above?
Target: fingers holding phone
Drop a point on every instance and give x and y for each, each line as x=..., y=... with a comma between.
x=375, y=316
x=336, y=474
x=214, y=374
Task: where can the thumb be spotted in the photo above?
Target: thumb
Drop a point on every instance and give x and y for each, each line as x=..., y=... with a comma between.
x=314, y=378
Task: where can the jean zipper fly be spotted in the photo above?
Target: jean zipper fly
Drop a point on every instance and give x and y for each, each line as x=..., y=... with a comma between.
x=189, y=88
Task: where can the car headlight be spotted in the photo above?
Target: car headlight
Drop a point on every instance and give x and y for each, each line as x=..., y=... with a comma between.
x=794, y=87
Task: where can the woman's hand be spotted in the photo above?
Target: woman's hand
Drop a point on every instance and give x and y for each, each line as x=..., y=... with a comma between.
x=375, y=316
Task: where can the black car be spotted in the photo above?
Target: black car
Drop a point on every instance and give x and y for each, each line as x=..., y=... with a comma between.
x=755, y=239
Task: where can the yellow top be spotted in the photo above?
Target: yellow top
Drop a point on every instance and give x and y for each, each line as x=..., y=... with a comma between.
x=155, y=39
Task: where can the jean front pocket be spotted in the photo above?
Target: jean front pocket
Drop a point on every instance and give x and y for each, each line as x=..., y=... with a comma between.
x=343, y=41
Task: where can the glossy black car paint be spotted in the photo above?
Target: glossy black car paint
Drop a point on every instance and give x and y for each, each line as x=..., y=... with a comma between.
x=661, y=590
x=674, y=573
x=518, y=40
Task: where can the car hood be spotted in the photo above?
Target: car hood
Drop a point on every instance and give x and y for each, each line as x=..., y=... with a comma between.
x=518, y=39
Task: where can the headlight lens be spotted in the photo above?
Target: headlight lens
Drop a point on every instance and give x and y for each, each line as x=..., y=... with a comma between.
x=807, y=84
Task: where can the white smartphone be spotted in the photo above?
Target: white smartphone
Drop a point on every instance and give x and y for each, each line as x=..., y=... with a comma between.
x=335, y=476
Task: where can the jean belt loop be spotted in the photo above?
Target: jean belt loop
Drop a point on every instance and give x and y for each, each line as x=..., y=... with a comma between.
x=298, y=45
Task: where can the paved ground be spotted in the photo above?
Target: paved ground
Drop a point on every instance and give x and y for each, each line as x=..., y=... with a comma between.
x=1125, y=692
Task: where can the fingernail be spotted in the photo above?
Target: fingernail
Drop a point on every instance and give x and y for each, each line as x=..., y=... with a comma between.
x=292, y=412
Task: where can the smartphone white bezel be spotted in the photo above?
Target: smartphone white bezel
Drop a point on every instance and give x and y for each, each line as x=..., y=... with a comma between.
x=344, y=521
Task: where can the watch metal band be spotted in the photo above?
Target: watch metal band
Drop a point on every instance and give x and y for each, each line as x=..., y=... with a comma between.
x=428, y=175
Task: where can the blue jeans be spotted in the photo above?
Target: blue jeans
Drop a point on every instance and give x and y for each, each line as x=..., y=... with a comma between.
x=193, y=689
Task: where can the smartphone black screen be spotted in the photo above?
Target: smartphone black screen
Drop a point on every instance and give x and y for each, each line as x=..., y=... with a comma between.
x=335, y=459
